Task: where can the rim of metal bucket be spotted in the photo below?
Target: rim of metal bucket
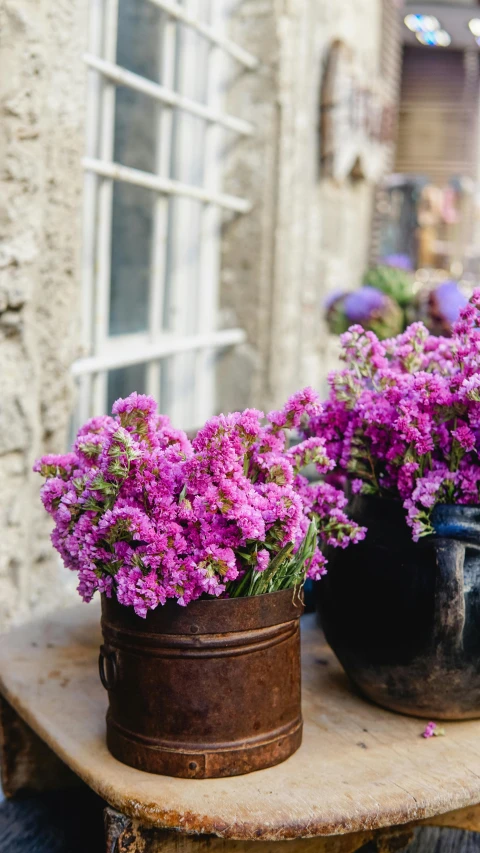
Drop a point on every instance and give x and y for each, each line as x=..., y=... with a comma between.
x=209, y=616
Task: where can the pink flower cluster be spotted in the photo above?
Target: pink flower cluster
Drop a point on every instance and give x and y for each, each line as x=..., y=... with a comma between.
x=143, y=513
x=432, y=730
x=403, y=418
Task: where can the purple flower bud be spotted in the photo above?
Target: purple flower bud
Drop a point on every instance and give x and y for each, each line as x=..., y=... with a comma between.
x=361, y=304
x=449, y=301
x=399, y=262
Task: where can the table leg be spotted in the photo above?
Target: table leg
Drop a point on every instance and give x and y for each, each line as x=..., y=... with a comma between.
x=26, y=762
x=467, y=819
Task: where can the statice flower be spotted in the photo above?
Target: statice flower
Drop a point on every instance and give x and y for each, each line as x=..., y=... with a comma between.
x=146, y=515
x=403, y=418
x=429, y=730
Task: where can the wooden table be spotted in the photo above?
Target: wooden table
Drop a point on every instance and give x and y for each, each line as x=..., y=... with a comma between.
x=360, y=770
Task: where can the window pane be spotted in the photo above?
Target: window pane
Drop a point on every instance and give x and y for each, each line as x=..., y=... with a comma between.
x=132, y=221
x=139, y=37
x=136, y=119
x=177, y=390
x=135, y=129
x=123, y=381
x=187, y=165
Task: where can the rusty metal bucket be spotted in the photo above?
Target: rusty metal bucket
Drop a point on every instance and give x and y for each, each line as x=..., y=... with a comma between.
x=211, y=689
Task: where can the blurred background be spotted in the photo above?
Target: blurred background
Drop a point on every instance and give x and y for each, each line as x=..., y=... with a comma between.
x=198, y=197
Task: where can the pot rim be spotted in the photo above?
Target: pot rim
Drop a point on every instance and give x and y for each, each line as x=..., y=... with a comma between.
x=216, y=600
x=448, y=520
x=397, y=501
x=208, y=616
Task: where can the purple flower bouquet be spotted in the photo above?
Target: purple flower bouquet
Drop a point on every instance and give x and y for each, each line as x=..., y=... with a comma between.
x=403, y=418
x=402, y=423
x=145, y=515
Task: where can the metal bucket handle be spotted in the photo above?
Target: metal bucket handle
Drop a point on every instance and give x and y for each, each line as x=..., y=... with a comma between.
x=107, y=667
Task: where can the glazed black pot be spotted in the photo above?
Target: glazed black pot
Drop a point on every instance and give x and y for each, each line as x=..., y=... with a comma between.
x=402, y=617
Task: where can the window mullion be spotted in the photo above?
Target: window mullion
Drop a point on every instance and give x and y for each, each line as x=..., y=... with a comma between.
x=183, y=189
x=165, y=94
x=123, y=353
x=90, y=191
x=187, y=14
x=161, y=205
x=183, y=284
x=105, y=197
x=209, y=260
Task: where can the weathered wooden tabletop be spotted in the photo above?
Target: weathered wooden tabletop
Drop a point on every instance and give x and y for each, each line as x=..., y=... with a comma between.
x=359, y=767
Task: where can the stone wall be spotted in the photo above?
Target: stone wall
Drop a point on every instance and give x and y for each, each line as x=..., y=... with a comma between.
x=41, y=143
x=307, y=235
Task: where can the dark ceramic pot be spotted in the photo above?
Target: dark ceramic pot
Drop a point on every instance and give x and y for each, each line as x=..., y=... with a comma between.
x=403, y=618
x=211, y=689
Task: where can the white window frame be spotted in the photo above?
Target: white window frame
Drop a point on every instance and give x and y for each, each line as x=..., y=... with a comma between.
x=101, y=351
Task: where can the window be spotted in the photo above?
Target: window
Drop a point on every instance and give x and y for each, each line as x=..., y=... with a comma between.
x=153, y=203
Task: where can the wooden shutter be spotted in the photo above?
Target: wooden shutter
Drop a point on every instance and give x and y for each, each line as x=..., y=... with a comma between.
x=437, y=120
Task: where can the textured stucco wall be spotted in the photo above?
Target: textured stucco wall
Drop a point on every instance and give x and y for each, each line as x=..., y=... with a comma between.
x=41, y=143
x=306, y=234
